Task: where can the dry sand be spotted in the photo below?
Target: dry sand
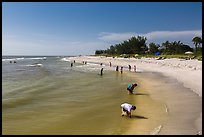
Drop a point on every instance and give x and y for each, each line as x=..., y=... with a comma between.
x=181, y=106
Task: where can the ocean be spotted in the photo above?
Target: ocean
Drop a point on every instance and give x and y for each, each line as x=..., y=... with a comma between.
x=45, y=95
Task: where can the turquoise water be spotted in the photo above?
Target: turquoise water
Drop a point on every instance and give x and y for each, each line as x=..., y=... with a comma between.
x=44, y=95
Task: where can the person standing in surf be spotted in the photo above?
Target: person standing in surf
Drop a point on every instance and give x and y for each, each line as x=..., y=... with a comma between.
x=121, y=70
x=129, y=67
x=116, y=68
x=101, y=71
x=135, y=68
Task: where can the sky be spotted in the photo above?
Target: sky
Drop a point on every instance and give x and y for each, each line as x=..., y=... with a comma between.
x=81, y=28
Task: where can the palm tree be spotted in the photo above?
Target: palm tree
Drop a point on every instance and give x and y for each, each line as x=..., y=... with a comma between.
x=197, y=41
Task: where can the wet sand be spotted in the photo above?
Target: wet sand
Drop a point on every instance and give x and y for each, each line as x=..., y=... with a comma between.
x=172, y=94
x=171, y=108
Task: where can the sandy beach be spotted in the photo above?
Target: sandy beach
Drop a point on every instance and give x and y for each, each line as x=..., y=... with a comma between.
x=182, y=110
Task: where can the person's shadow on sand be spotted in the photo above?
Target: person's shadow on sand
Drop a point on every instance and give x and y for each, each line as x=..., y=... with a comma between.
x=138, y=117
x=140, y=94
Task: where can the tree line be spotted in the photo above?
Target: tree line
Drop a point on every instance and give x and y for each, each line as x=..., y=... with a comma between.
x=137, y=45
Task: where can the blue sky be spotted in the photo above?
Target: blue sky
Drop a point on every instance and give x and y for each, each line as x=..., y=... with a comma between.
x=80, y=28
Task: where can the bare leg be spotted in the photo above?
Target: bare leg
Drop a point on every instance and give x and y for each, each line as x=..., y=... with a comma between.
x=123, y=113
x=130, y=92
x=129, y=114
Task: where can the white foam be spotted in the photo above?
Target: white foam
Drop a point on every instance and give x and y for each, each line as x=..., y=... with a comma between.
x=37, y=58
x=166, y=108
x=12, y=59
x=65, y=59
x=35, y=65
x=156, y=130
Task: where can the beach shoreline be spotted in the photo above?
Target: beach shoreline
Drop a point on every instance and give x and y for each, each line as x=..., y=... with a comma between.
x=187, y=73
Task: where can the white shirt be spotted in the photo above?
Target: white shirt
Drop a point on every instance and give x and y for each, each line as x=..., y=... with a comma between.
x=127, y=106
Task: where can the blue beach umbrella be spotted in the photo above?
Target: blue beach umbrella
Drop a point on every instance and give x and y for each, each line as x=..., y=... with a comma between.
x=157, y=53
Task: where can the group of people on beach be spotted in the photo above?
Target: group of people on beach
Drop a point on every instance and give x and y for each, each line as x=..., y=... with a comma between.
x=121, y=69
x=129, y=66
x=126, y=107
x=84, y=62
x=117, y=68
x=13, y=61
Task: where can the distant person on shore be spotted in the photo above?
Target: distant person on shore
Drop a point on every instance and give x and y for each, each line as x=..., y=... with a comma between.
x=110, y=64
x=116, y=68
x=129, y=67
x=134, y=68
x=101, y=71
x=127, y=108
x=74, y=61
x=131, y=87
x=84, y=62
x=71, y=64
x=121, y=70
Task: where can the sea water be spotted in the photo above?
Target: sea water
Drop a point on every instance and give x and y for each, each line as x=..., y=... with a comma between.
x=45, y=95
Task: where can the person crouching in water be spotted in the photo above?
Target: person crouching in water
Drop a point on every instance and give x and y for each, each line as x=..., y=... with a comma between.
x=131, y=87
x=127, y=108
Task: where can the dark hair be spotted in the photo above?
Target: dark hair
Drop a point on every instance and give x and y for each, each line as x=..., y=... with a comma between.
x=133, y=107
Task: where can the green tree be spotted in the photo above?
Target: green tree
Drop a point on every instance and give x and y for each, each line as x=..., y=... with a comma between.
x=175, y=47
x=165, y=47
x=112, y=50
x=99, y=51
x=197, y=41
x=153, y=48
x=181, y=48
x=132, y=46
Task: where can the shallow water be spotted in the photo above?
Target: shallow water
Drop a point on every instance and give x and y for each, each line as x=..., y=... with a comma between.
x=54, y=98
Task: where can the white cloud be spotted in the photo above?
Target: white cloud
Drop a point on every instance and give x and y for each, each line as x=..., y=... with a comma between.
x=172, y=34
x=75, y=42
x=115, y=36
x=150, y=36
